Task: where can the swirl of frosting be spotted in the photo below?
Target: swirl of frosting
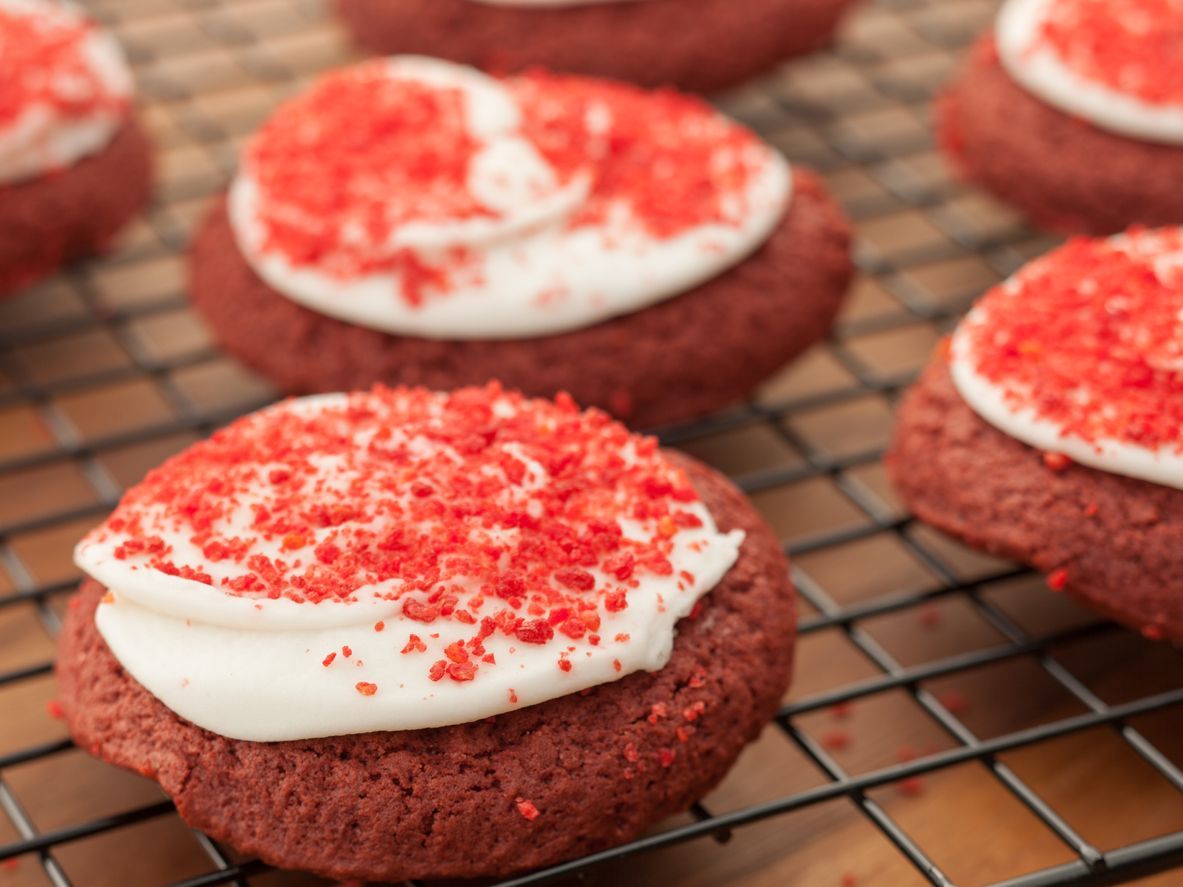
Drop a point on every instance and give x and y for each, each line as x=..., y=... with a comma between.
x=65, y=89
x=1081, y=354
x=423, y=198
x=1115, y=63
x=400, y=559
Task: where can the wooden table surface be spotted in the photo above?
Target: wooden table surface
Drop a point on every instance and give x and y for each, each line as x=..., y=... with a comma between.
x=105, y=370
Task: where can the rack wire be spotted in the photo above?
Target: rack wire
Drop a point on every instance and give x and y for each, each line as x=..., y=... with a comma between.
x=939, y=693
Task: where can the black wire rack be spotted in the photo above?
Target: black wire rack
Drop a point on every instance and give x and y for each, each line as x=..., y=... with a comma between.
x=104, y=368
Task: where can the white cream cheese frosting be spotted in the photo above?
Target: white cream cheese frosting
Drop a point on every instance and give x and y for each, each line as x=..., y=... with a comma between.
x=1042, y=69
x=1081, y=354
x=557, y=220
x=66, y=91
x=324, y=566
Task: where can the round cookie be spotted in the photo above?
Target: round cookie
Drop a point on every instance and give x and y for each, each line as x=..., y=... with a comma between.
x=74, y=164
x=78, y=212
x=701, y=351
x=698, y=45
x=538, y=785
x=1115, y=538
x=633, y=248
x=1048, y=430
x=1062, y=172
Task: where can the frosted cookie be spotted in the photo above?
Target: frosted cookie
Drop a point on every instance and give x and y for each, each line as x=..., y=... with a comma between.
x=413, y=222
x=1072, y=111
x=1050, y=431
x=481, y=633
x=698, y=45
x=74, y=164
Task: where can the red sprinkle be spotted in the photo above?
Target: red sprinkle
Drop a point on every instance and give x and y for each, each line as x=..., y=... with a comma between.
x=54, y=709
x=328, y=660
x=1056, y=461
x=379, y=626
x=912, y=786
x=930, y=615
x=479, y=556
x=527, y=809
x=954, y=701
x=366, y=689
x=415, y=645
x=1088, y=338
x=1057, y=579
x=836, y=740
x=1131, y=46
x=841, y=711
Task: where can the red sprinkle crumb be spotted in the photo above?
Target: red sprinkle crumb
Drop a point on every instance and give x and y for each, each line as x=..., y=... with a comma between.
x=346, y=651
x=379, y=625
x=328, y=660
x=617, y=665
x=365, y=688
x=564, y=664
x=848, y=879
x=666, y=756
x=694, y=711
x=414, y=645
x=1056, y=461
x=527, y=809
x=954, y=701
x=11, y=864
x=836, y=740
x=54, y=709
x=630, y=753
x=841, y=711
x=1092, y=509
x=1057, y=579
x=912, y=786
x=930, y=615
x=513, y=696
x=1153, y=632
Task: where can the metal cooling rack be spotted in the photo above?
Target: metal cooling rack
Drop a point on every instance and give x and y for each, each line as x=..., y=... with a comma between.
x=103, y=370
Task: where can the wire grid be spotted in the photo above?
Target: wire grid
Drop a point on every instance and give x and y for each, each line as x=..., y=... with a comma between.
x=86, y=349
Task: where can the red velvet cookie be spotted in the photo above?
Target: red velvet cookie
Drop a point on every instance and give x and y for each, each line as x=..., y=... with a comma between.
x=704, y=348
x=75, y=166
x=698, y=45
x=531, y=786
x=1042, y=117
x=1050, y=432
